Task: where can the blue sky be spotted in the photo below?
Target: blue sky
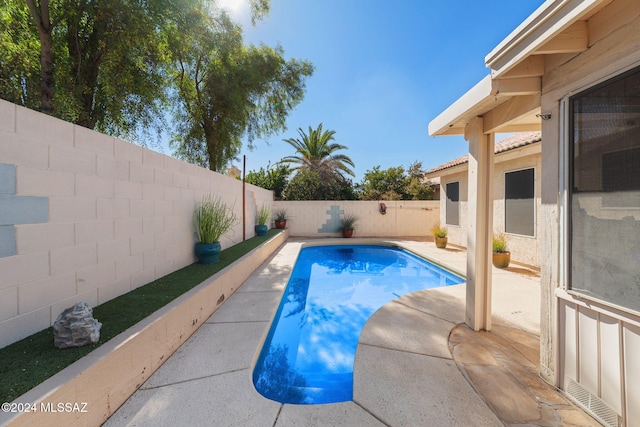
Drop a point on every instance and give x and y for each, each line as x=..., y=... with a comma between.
x=384, y=70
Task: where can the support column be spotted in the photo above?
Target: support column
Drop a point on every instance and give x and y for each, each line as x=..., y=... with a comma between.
x=480, y=225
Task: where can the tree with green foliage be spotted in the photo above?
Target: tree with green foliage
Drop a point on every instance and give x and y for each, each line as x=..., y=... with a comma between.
x=307, y=185
x=388, y=184
x=316, y=152
x=395, y=183
x=274, y=178
x=41, y=15
x=110, y=65
x=100, y=64
x=418, y=188
x=19, y=56
x=227, y=90
x=319, y=169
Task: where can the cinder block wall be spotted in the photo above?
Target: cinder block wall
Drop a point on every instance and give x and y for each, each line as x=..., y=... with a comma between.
x=403, y=218
x=85, y=216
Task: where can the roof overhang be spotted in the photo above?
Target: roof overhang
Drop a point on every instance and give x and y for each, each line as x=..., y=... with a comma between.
x=509, y=97
x=518, y=146
x=557, y=26
x=512, y=105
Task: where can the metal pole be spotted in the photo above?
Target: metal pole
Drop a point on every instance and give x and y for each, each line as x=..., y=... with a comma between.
x=244, y=171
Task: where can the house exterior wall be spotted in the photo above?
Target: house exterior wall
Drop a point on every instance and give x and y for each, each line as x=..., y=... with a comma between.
x=585, y=342
x=524, y=249
x=457, y=234
x=85, y=216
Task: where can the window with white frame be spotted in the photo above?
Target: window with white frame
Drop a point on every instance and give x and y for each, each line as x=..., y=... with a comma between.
x=519, y=202
x=452, y=207
x=604, y=191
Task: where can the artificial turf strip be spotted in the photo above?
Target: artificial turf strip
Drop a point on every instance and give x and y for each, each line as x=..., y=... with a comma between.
x=27, y=363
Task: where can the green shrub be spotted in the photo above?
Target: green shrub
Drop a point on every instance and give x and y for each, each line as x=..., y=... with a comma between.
x=438, y=231
x=263, y=215
x=212, y=218
x=348, y=222
x=499, y=243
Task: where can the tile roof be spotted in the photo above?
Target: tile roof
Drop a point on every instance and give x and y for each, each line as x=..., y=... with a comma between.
x=515, y=141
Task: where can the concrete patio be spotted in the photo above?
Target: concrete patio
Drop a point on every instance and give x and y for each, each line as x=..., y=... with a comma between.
x=417, y=364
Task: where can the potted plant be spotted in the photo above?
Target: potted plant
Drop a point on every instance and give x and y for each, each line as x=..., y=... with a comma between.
x=212, y=218
x=263, y=216
x=440, y=235
x=501, y=255
x=281, y=218
x=347, y=224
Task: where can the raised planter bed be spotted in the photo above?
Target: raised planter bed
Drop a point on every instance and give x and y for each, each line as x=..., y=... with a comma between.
x=94, y=387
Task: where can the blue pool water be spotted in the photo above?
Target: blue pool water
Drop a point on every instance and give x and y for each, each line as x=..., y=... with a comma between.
x=308, y=355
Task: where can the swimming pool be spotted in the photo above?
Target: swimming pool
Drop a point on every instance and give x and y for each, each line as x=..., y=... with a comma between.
x=308, y=354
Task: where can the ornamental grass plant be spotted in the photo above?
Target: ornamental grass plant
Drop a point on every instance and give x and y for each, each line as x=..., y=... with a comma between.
x=499, y=243
x=212, y=219
x=281, y=215
x=348, y=221
x=263, y=215
x=439, y=231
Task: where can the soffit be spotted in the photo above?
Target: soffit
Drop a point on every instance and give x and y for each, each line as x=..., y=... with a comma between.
x=508, y=98
x=498, y=96
x=556, y=27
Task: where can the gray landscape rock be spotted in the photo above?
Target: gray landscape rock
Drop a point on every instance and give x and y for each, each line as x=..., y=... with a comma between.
x=76, y=327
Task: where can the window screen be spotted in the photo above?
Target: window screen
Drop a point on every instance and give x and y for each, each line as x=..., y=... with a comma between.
x=519, y=202
x=453, y=203
x=605, y=191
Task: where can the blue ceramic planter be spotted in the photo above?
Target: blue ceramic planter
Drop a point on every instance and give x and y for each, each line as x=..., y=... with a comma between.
x=261, y=230
x=208, y=253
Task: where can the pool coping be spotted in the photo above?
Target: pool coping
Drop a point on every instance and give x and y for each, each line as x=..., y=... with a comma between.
x=216, y=381
x=382, y=242
x=103, y=380
x=361, y=241
x=405, y=371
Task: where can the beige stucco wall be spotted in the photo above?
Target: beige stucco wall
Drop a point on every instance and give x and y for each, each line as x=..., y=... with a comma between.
x=457, y=233
x=116, y=216
x=524, y=249
x=321, y=218
x=592, y=338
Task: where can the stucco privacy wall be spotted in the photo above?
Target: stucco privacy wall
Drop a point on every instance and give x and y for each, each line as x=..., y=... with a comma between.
x=85, y=216
x=322, y=218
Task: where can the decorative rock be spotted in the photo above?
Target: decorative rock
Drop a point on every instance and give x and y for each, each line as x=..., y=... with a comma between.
x=76, y=327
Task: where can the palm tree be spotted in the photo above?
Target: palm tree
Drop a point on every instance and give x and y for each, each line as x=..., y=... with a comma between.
x=316, y=152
